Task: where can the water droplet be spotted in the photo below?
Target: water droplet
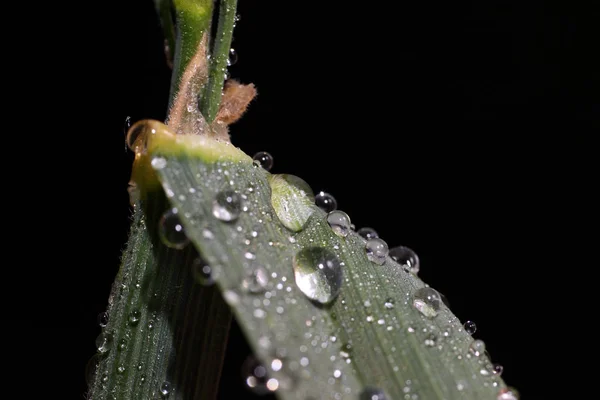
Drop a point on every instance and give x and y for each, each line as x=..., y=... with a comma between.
x=337, y=373
x=102, y=319
x=430, y=340
x=377, y=250
x=508, y=394
x=158, y=162
x=498, y=369
x=406, y=257
x=202, y=272
x=170, y=230
x=325, y=202
x=103, y=342
x=122, y=345
x=372, y=393
x=256, y=281
x=389, y=303
x=256, y=376
x=134, y=317
x=461, y=385
x=470, y=327
x=318, y=274
x=368, y=233
x=121, y=369
x=91, y=367
x=339, y=222
x=233, y=57
x=427, y=301
x=165, y=389
x=227, y=206
x=477, y=347
x=264, y=159
x=127, y=124
x=445, y=300
x=151, y=324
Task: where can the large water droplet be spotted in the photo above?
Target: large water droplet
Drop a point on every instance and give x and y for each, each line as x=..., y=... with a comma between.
x=103, y=342
x=227, y=205
x=477, y=347
x=325, y=202
x=377, y=250
x=372, y=393
x=256, y=281
x=367, y=233
x=339, y=222
x=256, y=376
x=102, y=319
x=134, y=317
x=406, y=257
x=233, y=57
x=165, y=389
x=170, y=230
x=470, y=327
x=318, y=274
x=427, y=301
x=264, y=159
x=508, y=394
x=202, y=272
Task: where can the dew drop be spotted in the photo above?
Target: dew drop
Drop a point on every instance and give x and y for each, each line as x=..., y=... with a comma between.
x=430, y=340
x=325, y=202
x=461, y=385
x=444, y=300
x=406, y=257
x=165, y=389
x=477, y=347
x=103, y=342
x=367, y=233
x=102, y=319
x=389, y=303
x=339, y=222
x=134, y=317
x=318, y=274
x=255, y=375
x=264, y=160
x=508, y=394
x=202, y=272
x=498, y=369
x=227, y=206
x=256, y=281
x=170, y=230
x=372, y=393
x=158, y=162
x=233, y=57
x=427, y=301
x=377, y=250
x=470, y=327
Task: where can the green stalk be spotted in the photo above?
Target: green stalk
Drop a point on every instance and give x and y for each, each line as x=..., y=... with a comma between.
x=209, y=103
x=163, y=10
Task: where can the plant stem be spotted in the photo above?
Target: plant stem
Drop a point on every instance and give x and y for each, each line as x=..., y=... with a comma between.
x=209, y=103
x=163, y=9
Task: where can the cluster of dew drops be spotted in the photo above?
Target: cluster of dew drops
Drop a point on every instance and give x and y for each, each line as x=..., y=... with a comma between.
x=318, y=275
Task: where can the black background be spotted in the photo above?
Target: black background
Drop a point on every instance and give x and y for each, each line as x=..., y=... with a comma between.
x=460, y=129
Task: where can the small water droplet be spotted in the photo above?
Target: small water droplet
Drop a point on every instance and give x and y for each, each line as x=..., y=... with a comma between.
x=367, y=233
x=389, y=303
x=202, y=272
x=165, y=389
x=233, y=57
x=377, y=250
x=122, y=345
x=430, y=340
x=477, y=347
x=325, y=202
x=337, y=373
x=170, y=230
x=256, y=281
x=508, y=394
x=264, y=160
x=427, y=301
x=158, y=162
x=498, y=369
x=102, y=319
x=339, y=222
x=255, y=375
x=470, y=327
x=372, y=393
x=406, y=257
x=461, y=385
x=151, y=324
x=134, y=317
x=227, y=206
x=318, y=274
x=121, y=369
x=103, y=342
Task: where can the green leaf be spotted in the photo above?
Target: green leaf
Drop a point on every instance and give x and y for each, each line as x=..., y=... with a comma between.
x=377, y=332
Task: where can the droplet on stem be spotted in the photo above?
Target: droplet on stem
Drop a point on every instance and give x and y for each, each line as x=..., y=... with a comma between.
x=470, y=327
x=377, y=250
x=427, y=301
x=406, y=257
x=264, y=160
x=325, y=202
x=318, y=274
x=367, y=233
x=339, y=222
x=227, y=205
x=170, y=230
